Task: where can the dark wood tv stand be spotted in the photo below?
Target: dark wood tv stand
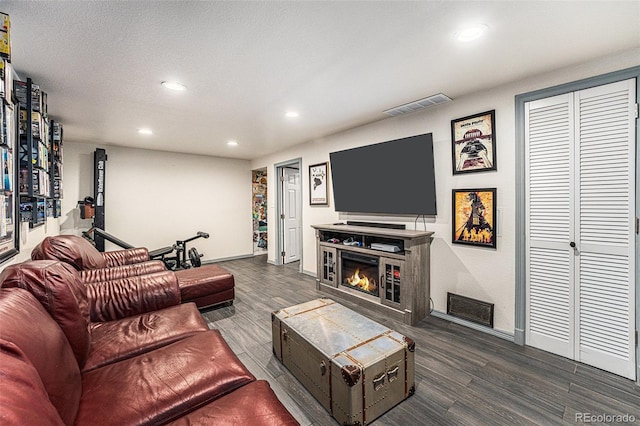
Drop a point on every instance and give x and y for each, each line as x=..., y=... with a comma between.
x=404, y=275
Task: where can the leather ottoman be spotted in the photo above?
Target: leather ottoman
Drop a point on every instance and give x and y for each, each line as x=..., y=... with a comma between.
x=206, y=286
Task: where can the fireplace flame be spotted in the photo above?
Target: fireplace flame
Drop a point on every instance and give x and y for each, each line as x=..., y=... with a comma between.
x=362, y=282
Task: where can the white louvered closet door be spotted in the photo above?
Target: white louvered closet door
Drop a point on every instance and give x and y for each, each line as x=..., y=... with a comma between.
x=550, y=224
x=605, y=215
x=580, y=226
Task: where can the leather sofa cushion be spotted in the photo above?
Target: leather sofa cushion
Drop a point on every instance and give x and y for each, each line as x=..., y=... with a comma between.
x=132, y=296
x=126, y=256
x=26, y=324
x=70, y=249
x=164, y=384
x=117, y=340
x=204, y=281
x=57, y=287
x=253, y=404
x=124, y=271
x=23, y=399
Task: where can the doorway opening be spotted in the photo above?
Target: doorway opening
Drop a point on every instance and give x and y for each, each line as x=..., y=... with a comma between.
x=259, y=210
x=288, y=180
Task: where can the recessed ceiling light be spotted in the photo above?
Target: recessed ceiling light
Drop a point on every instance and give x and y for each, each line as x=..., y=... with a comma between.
x=174, y=85
x=145, y=131
x=472, y=33
x=291, y=114
x=232, y=143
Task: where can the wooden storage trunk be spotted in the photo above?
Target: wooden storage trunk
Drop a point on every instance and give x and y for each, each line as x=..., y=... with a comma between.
x=356, y=368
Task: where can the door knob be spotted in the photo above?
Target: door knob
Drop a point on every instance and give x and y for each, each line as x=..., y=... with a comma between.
x=572, y=244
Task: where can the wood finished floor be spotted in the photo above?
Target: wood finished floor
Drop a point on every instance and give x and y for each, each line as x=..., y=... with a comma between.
x=463, y=376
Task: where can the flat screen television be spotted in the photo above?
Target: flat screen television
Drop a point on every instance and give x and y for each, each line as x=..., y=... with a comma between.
x=394, y=177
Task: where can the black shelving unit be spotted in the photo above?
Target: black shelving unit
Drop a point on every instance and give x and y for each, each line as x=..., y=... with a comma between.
x=33, y=154
x=9, y=230
x=55, y=167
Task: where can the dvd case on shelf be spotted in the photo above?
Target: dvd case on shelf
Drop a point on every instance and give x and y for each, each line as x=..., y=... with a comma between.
x=5, y=36
x=3, y=124
x=20, y=90
x=3, y=67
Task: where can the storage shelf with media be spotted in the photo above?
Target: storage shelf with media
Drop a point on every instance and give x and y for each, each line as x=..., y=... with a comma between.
x=367, y=242
x=54, y=206
x=40, y=156
x=398, y=284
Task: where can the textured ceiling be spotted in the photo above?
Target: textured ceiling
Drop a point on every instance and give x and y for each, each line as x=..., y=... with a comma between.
x=339, y=64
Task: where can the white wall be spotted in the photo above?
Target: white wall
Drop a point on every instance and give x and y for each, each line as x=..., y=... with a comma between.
x=29, y=238
x=479, y=273
x=154, y=198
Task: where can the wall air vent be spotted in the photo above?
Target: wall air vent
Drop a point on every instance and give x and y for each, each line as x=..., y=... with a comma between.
x=470, y=309
x=418, y=105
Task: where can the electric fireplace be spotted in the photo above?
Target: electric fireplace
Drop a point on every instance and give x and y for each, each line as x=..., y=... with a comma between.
x=360, y=272
x=362, y=264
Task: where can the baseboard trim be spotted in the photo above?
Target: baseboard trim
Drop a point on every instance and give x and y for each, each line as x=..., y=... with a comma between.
x=310, y=273
x=473, y=325
x=224, y=259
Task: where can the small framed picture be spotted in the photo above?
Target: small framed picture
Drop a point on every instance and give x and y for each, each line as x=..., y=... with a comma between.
x=474, y=217
x=318, y=181
x=473, y=143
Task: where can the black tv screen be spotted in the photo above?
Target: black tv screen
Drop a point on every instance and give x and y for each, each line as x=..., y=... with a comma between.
x=395, y=177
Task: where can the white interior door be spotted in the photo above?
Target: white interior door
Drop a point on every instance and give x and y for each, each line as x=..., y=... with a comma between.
x=291, y=208
x=580, y=173
x=550, y=224
x=605, y=150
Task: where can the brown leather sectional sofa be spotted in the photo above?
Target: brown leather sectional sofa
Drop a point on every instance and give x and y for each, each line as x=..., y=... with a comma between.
x=206, y=286
x=109, y=354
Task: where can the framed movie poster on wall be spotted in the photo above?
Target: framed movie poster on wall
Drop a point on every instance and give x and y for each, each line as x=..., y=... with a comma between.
x=318, y=181
x=474, y=217
x=473, y=143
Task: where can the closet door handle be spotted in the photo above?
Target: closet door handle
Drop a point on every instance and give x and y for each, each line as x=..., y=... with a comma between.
x=572, y=244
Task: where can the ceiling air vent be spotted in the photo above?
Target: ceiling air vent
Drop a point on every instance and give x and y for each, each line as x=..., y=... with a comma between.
x=417, y=105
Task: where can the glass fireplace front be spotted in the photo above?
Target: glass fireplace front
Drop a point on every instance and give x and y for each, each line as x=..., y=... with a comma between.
x=360, y=272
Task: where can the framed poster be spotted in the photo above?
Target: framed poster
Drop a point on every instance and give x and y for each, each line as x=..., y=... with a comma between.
x=474, y=217
x=318, y=181
x=473, y=143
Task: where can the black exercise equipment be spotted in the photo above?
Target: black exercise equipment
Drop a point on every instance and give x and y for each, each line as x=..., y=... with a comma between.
x=99, y=178
x=87, y=208
x=178, y=259
x=174, y=257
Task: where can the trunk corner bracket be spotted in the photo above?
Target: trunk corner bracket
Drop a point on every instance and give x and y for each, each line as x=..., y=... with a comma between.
x=411, y=345
x=351, y=374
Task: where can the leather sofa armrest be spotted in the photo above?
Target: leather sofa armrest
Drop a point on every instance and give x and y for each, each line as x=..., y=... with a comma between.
x=124, y=271
x=126, y=256
x=24, y=399
x=125, y=297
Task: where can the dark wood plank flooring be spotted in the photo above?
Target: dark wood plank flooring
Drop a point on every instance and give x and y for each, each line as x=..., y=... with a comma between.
x=463, y=376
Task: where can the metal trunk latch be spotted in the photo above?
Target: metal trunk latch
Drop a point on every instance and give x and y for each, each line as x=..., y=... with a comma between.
x=323, y=368
x=393, y=374
x=378, y=382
